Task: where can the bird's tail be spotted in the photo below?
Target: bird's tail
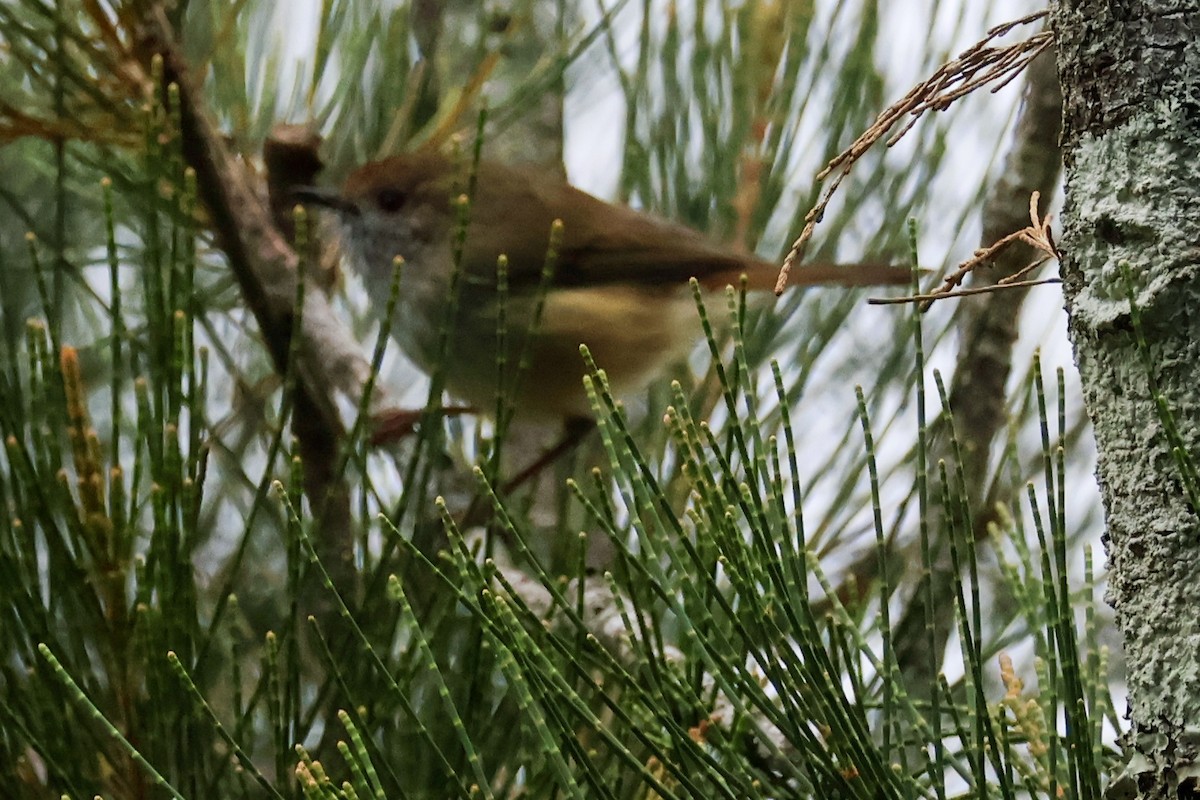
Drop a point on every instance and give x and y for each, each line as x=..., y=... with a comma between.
x=764, y=275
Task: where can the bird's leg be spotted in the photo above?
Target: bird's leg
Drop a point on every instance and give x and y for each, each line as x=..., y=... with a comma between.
x=574, y=431
x=396, y=423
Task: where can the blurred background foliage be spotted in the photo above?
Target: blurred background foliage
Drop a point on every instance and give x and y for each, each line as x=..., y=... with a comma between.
x=727, y=650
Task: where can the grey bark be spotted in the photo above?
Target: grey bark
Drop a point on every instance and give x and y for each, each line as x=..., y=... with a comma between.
x=1131, y=86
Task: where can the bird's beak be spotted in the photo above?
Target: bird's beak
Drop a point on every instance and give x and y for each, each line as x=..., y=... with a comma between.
x=327, y=198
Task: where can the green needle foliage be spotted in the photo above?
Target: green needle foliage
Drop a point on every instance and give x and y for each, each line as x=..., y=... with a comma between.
x=167, y=626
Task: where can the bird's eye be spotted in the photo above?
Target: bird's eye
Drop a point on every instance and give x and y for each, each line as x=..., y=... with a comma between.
x=390, y=200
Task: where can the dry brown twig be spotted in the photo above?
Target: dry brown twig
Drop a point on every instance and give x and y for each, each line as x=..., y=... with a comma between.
x=1037, y=235
x=977, y=66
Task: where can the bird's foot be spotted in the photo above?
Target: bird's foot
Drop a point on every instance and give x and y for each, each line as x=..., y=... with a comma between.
x=393, y=424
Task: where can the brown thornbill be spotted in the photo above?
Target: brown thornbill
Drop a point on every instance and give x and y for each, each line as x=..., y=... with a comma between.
x=620, y=283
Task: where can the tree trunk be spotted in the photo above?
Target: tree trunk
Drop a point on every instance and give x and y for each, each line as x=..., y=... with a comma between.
x=1131, y=87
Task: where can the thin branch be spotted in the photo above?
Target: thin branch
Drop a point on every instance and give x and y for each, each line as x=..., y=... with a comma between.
x=1037, y=235
x=942, y=295
x=266, y=269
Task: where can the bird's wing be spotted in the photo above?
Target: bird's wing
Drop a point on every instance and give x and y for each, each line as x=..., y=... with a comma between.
x=601, y=242
x=607, y=243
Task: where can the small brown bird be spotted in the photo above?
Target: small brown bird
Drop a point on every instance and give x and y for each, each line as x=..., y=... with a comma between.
x=620, y=285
